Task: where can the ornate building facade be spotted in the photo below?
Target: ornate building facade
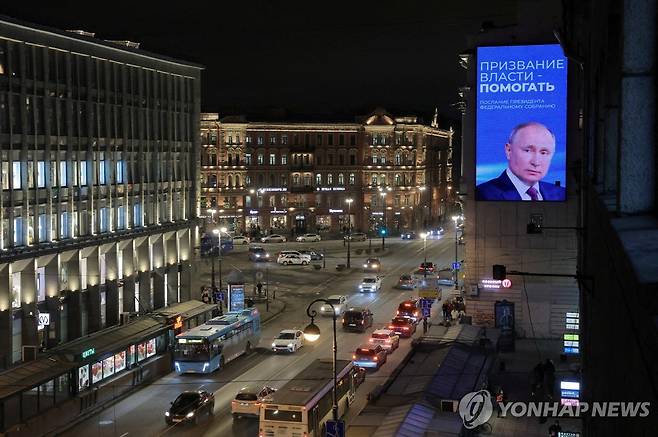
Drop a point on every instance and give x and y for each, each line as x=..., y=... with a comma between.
x=320, y=177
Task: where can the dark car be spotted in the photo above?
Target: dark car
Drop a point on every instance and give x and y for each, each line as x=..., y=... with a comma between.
x=258, y=253
x=315, y=256
x=426, y=267
x=357, y=319
x=356, y=236
x=410, y=235
x=410, y=309
x=372, y=265
x=406, y=282
x=189, y=405
x=403, y=326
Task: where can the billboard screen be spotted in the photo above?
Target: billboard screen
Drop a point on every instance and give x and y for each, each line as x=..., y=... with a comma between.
x=521, y=125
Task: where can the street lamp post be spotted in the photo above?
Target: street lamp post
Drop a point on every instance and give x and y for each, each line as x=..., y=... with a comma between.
x=217, y=232
x=455, y=218
x=349, y=230
x=383, y=231
x=312, y=333
x=424, y=237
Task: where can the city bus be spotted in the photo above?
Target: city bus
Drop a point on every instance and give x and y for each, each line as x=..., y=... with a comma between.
x=210, y=346
x=210, y=243
x=304, y=404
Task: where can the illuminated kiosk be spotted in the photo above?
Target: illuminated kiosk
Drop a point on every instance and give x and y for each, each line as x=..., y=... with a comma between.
x=235, y=294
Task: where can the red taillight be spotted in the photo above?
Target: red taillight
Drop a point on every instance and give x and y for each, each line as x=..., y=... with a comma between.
x=388, y=340
x=354, y=357
x=391, y=327
x=406, y=328
x=363, y=322
x=370, y=340
x=397, y=313
x=376, y=358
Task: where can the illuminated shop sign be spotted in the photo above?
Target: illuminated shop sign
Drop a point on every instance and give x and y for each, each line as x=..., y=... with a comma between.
x=274, y=189
x=495, y=284
x=572, y=321
x=89, y=352
x=569, y=393
x=331, y=188
x=571, y=343
x=278, y=211
x=253, y=211
x=332, y=211
x=377, y=213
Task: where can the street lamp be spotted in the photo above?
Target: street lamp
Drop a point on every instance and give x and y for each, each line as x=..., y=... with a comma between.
x=312, y=333
x=212, y=212
x=349, y=229
x=424, y=237
x=455, y=218
x=383, y=230
x=217, y=232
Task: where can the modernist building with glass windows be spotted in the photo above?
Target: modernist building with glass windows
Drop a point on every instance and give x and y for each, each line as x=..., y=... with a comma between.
x=99, y=152
x=298, y=177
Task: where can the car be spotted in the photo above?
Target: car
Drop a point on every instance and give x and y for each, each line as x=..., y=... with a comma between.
x=308, y=237
x=189, y=405
x=357, y=319
x=372, y=265
x=410, y=235
x=406, y=282
x=386, y=338
x=289, y=340
x=240, y=239
x=290, y=259
x=445, y=277
x=369, y=356
x=356, y=236
x=409, y=309
x=274, y=238
x=370, y=283
x=258, y=253
x=315, y=256
x=305, y=256
x=338, y=301
x=435, y=233
x=426, y=267
x=248, y=400
x=403, y=326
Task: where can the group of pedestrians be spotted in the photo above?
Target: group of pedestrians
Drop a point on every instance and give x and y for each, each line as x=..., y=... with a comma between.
x=543, y=380
x=453, y=310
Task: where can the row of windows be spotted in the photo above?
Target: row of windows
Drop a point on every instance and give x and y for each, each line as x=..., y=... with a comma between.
x=283, y=139
x=48, y=173
x=377, y=159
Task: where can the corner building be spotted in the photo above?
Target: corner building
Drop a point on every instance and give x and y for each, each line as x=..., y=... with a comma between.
x=99, y=147
x=296, y=177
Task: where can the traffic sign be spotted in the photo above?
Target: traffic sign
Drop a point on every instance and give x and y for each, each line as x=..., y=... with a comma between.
x=456, y=266
x=335, y=428
x=432, y=293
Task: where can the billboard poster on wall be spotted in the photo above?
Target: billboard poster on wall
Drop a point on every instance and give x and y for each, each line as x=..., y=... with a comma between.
x=521, y=123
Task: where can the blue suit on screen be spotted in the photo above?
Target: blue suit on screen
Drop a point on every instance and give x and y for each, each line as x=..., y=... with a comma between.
x=502, y=188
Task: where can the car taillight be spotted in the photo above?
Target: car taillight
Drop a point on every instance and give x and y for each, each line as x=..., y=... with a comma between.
x=376, y=358
x=397, y=313
x=354, y=357
x=388, y=340
x=406, y=328
x=343, y=320
x=391, y=327
x=363, y=322
x=370, y=340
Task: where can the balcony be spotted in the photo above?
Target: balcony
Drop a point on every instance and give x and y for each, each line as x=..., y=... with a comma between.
x=301, y=189
x=308, y=148
x=299, y=166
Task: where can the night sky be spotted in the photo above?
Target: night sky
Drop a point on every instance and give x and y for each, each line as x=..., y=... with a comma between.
x=263, y=57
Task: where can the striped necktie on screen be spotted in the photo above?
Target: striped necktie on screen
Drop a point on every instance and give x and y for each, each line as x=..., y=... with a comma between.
x=532, y=192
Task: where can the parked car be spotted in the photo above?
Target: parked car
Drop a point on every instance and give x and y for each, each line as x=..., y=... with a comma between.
x=409, y=235
x=406, y=282
x=370, y=284
x=356, y=236
x=189, y=405
x=240, y=239
x=403, y=326
x=357, y=319
x=305, y=256
x=386, y=338
x=289, y=340
x=369, y=355
x=372, y=265
x=410, y=309
x=248, y=400
x=445, y=277
x=308, y=237
x=291, y=259
x=315, y=256
x=258, y=253
x=274, y=238
x=338, y=301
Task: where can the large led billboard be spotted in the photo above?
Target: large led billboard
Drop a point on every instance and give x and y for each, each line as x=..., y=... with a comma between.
x=521, y=127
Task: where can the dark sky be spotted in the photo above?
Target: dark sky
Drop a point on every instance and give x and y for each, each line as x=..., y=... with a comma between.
x=334, y=58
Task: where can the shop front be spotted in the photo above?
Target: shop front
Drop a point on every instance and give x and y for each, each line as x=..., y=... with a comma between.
x=279, y=221
x=301, y=223
x=253, y=221
x=323, y=223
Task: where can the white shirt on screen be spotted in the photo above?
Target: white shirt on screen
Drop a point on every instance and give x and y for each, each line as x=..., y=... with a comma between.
x=522, y=187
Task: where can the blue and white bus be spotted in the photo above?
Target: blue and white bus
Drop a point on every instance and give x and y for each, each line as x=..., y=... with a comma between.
x=210, y=346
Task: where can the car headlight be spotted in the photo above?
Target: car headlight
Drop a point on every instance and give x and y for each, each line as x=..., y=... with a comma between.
x=290, y=345
x=273, y=344
x=267, y=255
x=167, y=413
x=257, y=255
x=190, y=414
x=365, y=265
x=360, y=286
x=322, y=308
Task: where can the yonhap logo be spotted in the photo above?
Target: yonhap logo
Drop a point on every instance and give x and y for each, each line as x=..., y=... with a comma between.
x=475, y=408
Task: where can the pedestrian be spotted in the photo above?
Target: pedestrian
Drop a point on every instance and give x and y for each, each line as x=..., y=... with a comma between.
x=424, y=325
x=454, y=315
x=554, y=429
x=259, y=286
x=549, y=378
x=538, y=377
x=500, y=398
x=444, y=308
x=205, y=296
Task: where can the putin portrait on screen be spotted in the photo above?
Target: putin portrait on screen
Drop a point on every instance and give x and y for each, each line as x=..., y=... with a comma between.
x=529, y=151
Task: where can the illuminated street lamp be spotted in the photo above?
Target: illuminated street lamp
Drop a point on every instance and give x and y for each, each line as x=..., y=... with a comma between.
x=212, y=212
x=312, y=334
x=455, y=218
x=349, y=229
x=383, y=230
x=217, y=232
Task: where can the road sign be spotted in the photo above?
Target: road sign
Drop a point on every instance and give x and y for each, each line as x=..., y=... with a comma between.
x=456, y=266
x=335, y=428
x=431, y=293
x=43, y=319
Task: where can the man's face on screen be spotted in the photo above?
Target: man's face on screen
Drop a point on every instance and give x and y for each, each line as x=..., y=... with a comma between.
x=530, y=152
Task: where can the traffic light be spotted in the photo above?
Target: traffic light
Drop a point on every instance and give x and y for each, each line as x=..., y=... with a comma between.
x=499, y=272
x=382, y=232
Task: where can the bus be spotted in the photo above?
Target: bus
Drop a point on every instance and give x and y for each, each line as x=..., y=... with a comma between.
x=210, y=243
x=210, y=346
x=304, y=404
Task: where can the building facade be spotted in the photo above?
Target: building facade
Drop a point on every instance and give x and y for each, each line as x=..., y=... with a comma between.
x=99, y=155
x=293, y=178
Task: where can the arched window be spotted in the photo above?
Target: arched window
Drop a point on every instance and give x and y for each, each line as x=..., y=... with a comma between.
x=330, y=179
x=237, y=181
x=230, y=181
x=374, y=179
x=374, y=157
x=397, y=158
x=352, y=178
x=413, y=158
x=212, y=181
x=318, y=179
x=230, y=159
x=382, y=179
x=272, y=180
x=383, y=158
x=406, y=158
x=341, y=179
x=398, y=179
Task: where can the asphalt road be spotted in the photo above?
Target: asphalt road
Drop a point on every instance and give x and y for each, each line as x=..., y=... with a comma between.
x=142, y=413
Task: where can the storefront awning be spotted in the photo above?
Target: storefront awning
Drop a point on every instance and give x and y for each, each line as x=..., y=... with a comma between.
x=31, y=374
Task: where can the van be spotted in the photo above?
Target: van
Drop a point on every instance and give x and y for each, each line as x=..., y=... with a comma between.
x=357, y=319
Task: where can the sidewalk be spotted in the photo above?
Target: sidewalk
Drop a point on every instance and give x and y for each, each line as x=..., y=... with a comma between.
x=516, y=381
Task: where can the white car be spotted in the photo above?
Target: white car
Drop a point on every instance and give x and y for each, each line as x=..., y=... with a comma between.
x=274, y=238
x=305, y=256
x=386, y=338
x=289, y=340
x=240, y=239
x=247, y=401
x=338, y=301
x=290, y=259
x=371, y=283
x=308, y=237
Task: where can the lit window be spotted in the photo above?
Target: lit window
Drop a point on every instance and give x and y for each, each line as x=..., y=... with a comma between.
x=101, y=172
x=83, y=172
x=62, y=173
x=330, y=179
x=272, y=158
x=19, y=235
x=43, y=227
x=260, y=159
x=119, y=166
x=41, y=174
x=284, y=159
x=352, y=178
x=104, y=219
x=247, y=158
x=318, y=179
x=341, y=179
x=121, y=217
x=64, y=225
x=137, y=215
x=374, y=158
x=16, y=176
